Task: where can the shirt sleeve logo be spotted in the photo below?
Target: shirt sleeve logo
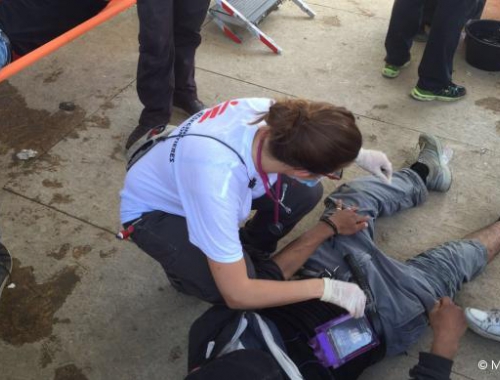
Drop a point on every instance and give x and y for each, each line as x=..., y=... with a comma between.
x=218, y=110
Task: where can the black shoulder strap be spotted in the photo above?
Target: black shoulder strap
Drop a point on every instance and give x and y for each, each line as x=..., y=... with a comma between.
x=164, y=135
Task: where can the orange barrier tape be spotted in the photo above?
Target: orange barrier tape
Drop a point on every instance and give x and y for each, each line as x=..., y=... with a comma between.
x=112, y=9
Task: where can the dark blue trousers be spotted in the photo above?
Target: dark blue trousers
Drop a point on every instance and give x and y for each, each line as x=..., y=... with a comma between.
x=165, y=238
x=436, y=66
x=169, y=33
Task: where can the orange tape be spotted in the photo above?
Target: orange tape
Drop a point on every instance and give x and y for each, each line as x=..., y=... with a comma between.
x=112, y=9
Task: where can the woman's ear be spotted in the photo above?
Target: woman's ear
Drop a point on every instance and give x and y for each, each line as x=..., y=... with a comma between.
x=300, y=173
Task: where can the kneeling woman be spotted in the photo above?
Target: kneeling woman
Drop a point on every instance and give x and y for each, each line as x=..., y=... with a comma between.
x=188, y=196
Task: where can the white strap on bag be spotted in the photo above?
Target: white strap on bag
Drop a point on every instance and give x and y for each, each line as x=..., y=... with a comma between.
x=281, y=357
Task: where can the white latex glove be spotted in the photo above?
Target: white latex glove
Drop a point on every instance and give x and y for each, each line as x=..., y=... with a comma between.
x=345, y=294
x=375, y=162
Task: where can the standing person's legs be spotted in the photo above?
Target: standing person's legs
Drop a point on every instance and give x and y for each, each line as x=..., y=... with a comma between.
x=155, y=79
x=165, y=238
x=404, y=25
x=436, y=66
x=299, y=198
x=189, y=16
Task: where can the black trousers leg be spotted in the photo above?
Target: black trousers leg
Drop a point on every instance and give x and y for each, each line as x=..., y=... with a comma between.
x=155, y=79
x=165, y=238
x=436, y=67
x=189, y=16
x=300, y=198
x=169, y=33
x=404, y=25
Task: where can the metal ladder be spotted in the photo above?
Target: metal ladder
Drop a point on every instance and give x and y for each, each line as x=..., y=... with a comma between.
x=248, y=14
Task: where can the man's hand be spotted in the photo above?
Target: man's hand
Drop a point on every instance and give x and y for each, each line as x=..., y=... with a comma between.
x=448, y=323
x=345, y=294
x=347, y=220
x=375, y=162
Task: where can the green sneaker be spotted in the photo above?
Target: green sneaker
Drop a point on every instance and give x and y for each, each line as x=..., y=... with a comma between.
x=393, y=71
x=432, y=155
x=451, y=93
x=5, y=266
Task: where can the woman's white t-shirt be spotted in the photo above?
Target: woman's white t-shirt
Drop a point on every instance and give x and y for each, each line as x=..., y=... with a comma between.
x=201, y=179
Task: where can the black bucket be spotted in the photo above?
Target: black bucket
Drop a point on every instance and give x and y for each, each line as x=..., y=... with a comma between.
x=483, y=44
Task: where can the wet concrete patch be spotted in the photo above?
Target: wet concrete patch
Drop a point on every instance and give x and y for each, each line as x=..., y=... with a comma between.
x=109, y=253
x=175, y=354
x=80, y=251
x=58, y=198
x=46, y=163
x=107, y=105
x=117, y=152
x=27, y=311
x=96, y=121
x=77, y=252
x=490, y=103
x=52, y=184
x=61, y=252
x=26, y=128
x=49, y=349
x=69, y=372
x=332, y=21
x=53, y=76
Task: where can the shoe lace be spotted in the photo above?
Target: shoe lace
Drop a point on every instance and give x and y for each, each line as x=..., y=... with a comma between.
x=451, y=90
x=494, y=314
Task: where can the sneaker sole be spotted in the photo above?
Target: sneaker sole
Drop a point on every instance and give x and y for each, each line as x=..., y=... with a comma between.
x=479, y=331
x=392, y=74
x=415, y=94
x=437, y=143
x=6, y=279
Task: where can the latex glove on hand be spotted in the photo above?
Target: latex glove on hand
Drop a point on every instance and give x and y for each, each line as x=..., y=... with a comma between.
x=375, y=162
x=346, y=295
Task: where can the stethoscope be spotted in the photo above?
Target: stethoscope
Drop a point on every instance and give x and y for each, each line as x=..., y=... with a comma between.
x=277, y=196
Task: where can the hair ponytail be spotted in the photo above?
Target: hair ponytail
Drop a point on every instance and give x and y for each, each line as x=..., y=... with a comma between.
x=316, y=136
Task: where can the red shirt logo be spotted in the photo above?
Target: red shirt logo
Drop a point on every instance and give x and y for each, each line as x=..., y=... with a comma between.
x=218, y=110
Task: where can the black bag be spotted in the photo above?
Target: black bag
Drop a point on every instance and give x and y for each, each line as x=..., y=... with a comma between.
x=291, y=327
x=221, y=331
x=239, y=365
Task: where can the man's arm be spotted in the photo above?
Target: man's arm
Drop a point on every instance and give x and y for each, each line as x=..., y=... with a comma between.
x=449, y=325
x=241, y=292
x=294, y=255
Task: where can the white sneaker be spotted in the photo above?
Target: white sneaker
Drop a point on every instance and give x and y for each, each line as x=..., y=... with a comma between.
x=484, y=323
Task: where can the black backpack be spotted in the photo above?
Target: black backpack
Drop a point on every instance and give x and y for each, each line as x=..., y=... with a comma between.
x=291, y=327
x=221, y=331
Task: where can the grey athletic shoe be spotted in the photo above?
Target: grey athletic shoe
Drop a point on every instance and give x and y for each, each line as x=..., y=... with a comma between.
x=431, y=154
x=5, y=266
x=485, y=323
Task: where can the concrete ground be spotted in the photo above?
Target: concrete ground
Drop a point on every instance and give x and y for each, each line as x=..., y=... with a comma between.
x=87, y=306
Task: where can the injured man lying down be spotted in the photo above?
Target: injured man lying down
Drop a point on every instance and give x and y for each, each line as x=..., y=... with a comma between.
x=320, y=339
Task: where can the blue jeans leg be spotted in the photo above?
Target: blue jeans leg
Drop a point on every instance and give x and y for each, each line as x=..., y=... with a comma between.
x=5, y=55
x=449, y=265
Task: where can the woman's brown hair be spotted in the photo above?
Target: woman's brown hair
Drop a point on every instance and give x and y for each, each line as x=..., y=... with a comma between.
x=316, y=136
